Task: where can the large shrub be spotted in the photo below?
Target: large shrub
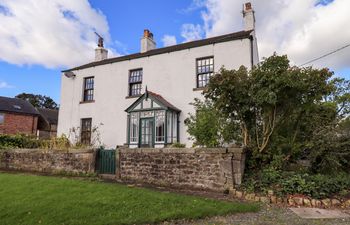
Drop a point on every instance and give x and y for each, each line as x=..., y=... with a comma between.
x=278, y=108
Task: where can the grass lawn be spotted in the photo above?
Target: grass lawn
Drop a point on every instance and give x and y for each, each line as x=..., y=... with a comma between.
x=28, y=199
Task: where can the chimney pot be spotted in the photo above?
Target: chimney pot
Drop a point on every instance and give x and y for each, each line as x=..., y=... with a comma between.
x=146, y=33
x=248, y=6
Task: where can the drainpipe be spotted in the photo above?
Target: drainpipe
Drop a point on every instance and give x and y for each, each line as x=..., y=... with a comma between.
x=251, y=38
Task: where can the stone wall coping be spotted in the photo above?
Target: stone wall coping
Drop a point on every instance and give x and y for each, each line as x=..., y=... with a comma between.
x=25, y=150
x=183, y=150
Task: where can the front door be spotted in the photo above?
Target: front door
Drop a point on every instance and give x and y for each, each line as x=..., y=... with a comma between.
x=147, y=129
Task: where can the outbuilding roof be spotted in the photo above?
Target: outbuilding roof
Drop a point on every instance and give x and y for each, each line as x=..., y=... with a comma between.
x=16, y=105
x=157, y=51
x=50, y=115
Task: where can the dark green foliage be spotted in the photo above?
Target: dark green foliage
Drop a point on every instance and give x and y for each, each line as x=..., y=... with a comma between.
x=330, y=149
x=279, y=109
x=26, y=199
x=284, y=183
x=18, y=141
x=39, y=101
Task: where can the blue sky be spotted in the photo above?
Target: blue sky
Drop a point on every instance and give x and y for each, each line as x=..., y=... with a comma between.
x=33, y=64
x=126, y=20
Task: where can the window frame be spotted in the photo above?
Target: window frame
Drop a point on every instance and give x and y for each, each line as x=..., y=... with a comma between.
x=86, y=90
x=137, y=82
x=85, y=134
x=204, y=73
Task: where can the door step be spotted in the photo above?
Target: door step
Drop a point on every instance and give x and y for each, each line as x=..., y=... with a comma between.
x=108, y=176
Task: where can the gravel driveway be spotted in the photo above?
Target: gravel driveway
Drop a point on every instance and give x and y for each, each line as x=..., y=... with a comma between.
x=268, y=215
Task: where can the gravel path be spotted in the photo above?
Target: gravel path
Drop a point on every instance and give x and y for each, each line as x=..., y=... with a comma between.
x=268, y=215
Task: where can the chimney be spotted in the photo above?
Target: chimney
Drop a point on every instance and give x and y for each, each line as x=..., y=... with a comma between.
x=147, y=42
x=100, y=52
x=248, y=16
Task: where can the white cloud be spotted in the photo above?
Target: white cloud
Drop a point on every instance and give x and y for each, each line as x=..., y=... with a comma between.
x=51, y=33
x=169, y=40
x=191, y=32
x=298, y=28
x=4, y=84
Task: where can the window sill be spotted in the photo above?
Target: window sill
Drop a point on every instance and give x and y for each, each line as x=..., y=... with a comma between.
x=199, y=89
x=84, y=102
x=133, y=96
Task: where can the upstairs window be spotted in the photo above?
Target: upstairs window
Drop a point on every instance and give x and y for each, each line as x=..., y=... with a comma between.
x=205, y=69
x=86, y=131
x=135, y=82
x=88, y=89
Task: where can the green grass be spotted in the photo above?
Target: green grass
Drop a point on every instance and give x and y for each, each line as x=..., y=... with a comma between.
x=28, y=199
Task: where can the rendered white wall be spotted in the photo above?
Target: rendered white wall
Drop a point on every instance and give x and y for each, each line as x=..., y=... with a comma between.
x=172, y=75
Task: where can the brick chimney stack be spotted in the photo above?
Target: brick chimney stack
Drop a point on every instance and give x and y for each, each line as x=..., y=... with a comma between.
x=248, y=16
x=147, y=42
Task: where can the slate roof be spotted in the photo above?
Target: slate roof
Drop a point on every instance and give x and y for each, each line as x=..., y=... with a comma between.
x=16, y=105
x=157, y=51
x=50, y=115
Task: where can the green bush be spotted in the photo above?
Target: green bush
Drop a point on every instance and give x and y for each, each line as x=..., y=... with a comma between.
x=284, y=183
x=208, y=128
x=18, y=141
x=25, y=141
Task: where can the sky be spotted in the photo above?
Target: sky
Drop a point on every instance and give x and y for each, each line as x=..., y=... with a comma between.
x=39, y=38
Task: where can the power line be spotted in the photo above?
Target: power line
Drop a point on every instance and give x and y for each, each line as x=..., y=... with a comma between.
x=330, y=53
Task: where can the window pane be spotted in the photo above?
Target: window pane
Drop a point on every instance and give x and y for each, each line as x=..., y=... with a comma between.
x=134, y=128
x=147, y=114
x=174, y=127
x=135, y=82
x=160, y=124
x=88, y=89
x=205, y=68
x=169, y=128
x=135, y=76
x=135, y=89
x=86, y=131
x=2, y=118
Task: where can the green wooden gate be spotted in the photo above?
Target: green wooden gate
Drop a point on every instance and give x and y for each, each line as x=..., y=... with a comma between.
x=106, y=161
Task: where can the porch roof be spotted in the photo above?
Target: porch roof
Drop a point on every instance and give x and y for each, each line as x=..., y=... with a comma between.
x=155, y=97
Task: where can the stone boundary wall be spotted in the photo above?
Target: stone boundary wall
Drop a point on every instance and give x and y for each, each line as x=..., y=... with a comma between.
x=36, y=160
x=201, y=168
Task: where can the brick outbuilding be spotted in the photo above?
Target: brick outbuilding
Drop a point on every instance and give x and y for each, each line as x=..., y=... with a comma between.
x=17, y=116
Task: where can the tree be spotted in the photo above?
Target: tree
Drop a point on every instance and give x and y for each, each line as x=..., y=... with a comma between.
x=39, y=101
x=279, y=107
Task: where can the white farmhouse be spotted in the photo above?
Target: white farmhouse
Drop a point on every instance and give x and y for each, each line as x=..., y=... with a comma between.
x=143, y=99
